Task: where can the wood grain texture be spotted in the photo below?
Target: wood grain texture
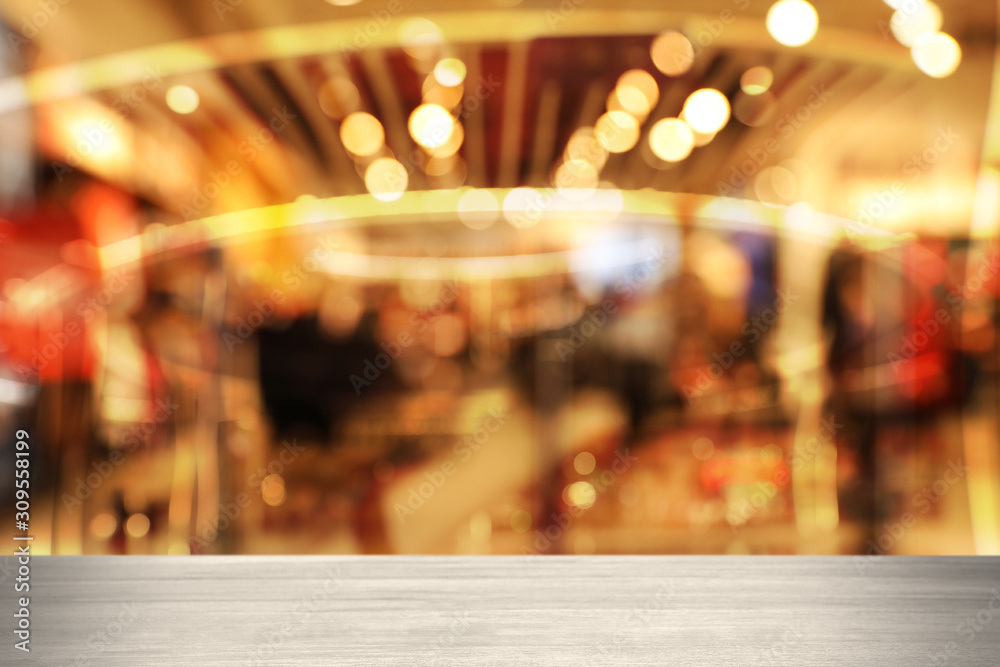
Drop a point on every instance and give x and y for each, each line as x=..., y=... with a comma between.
x=602, y=610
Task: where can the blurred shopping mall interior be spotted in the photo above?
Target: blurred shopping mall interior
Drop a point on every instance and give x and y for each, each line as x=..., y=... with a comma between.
x=502, y=276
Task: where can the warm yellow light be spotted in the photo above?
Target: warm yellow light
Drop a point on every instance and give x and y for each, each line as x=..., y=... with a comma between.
x=915, y=20
x=776, y=185
x=937, y=55
x=103, y=526
x=272, y=490
x=420, y=38
x=583, y=145
x=706, y=111
x=671, y=139
x=480, y=527
x=523, y=207
x=450, y=72
x=386, y=179
x=575, y=179
x=630, y=100
x=338, y=97
x=672, y=53
x=617, y=131
x=755, y=110
x=450, y=147
x=584, y=463
x=182, y=99
x=580, y=494
x=702, y=448
x=431, y=125
x=478, y=209
x=434, y=93
x=792, y=22
x=584, y=544
x=137, y=525
x=637, y=92
x=439, y=166
x=520, y=521
x=101, y=136
x=756, y=80
x=702, y=138
x=447, y=173
x=362, y=134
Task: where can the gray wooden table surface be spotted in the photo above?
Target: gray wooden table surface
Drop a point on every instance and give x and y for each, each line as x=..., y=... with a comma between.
x=601, y=610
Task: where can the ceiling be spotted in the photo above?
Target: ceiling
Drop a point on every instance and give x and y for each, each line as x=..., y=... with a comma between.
x=536, y=74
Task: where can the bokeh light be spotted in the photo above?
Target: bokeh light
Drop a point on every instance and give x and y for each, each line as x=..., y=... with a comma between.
x=617, y=131
x=103, y=525
x=478, y=209
x=520, y=521
x=580, y=494
x=362, y=134
x=671, y=139
x=421, y=38
x=756, y=80
x=272, y=490
x=792, y=22
x=915, y=20
x=337, y=97
x=431, y=125
x=672, y=53
x=450, y=72
x=583, y=145
x=182, y=99
x=584, y=463
x=386, y=179
x=937, y=55
x=137, y=525
x=637, y=92
x=706, y=110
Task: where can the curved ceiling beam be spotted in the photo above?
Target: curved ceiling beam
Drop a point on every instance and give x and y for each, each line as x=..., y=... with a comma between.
x=280, y=42
x=415, y=207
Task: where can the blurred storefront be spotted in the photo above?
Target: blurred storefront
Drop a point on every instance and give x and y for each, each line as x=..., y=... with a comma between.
x=503, y=277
